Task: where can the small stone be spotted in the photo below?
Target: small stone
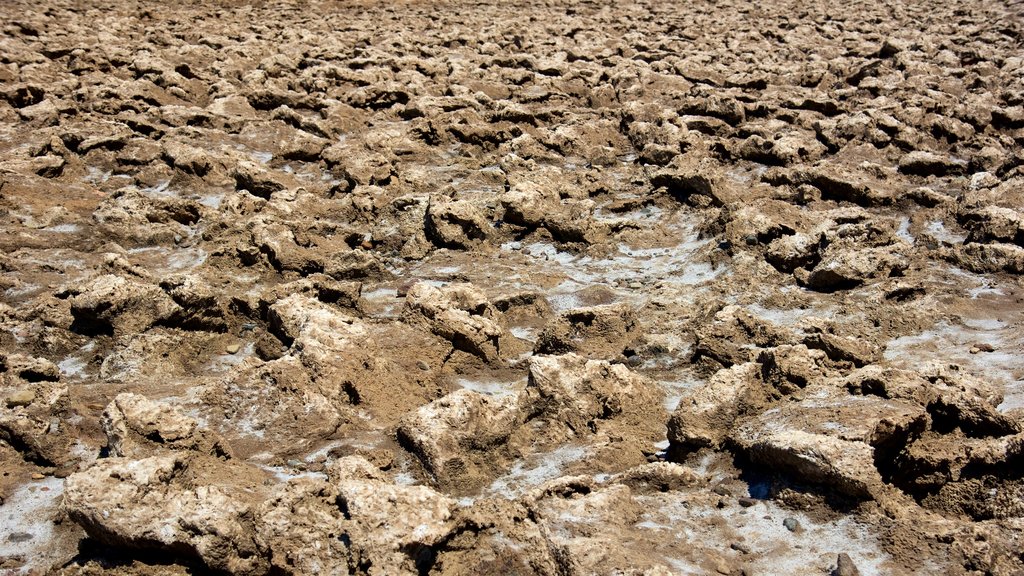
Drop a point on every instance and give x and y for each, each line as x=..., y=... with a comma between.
x=791, y=524
x=974, y=350
x=38, y=476
x=64, y=471
x=721, y=491
x=740, y=547
x=635, y=285
x=367, y=245
x=845, y=566
x=297, y=464
x=516, y=246
x=747, y=502
x=985, y=347
x=233, y=348
x=19, y=537
x=422, y=365
x=21, y=398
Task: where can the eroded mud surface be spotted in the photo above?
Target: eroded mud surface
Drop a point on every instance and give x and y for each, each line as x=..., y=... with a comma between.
x=511, y=288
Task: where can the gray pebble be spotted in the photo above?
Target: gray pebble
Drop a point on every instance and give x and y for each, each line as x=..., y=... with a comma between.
x=791, y=524
x=19, y=537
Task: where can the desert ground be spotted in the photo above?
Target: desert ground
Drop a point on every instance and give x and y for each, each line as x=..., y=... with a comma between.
x=528, y=287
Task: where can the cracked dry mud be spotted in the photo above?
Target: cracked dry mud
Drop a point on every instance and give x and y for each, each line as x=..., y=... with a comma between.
x=511, y=288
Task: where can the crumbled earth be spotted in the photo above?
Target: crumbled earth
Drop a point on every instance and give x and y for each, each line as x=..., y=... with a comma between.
x=547, y=287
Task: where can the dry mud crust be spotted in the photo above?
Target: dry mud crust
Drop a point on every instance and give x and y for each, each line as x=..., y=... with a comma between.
x=530, y=287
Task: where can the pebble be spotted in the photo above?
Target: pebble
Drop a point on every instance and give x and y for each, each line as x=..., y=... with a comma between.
x=516, y=246
x=635, y=285
x=791, y=524
x=740, y=547
x=721, y=491
x=845, y=566
x=19, y=537
x=747, y=502
x=37, y=476
x=422, y=365
x=21, y=398
x=233, y=348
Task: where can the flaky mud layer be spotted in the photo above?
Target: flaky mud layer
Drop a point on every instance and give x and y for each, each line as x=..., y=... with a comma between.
x=511, y=288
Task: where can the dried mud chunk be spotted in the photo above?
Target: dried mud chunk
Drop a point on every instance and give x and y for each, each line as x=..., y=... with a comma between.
x=923, y=163
x=591, y=396
x=937, y=459
x=586, y=528
x=834, y=442
x=532, y=205
x=657, y=477
x=303, y=527
x=789, y=368
x=116, y=305
x=705, y=417
x=459, y=437
x=994, y=224
x=256, y=179
x=788, y=253
x=201, y=306
x=133, y=215
x=456, y=224
x=153, y=504
x=188, y=159
x=33, y=427
x=843, y=269
x=697, y=181
x=273, y=404
x=989, y=258
x=496, y=536
x=733, y=336
x=136, y=426
x=840, y=183
x=856, y=351
x=277, y=241
x=459, y=313
x=357, y=165
x=782, y=150
x=29, y=368
x=392, y=528
x=597, y=332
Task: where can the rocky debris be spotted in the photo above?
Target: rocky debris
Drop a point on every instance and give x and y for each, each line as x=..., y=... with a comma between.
x=597, y=332
x=704, y=418
x=310, y=242
x=117, y=305
x=136, y=426
x=456, y=224
x=460, y=314
x=393, y=528
x=591, y=396
x=923, y=163
x=460, y=437
x=994, y=224
x=733, y=336
x=531, y=205
x=845, y=269
x=832, y=441
x=845, y=566
x=122, y=503
x=989, y=258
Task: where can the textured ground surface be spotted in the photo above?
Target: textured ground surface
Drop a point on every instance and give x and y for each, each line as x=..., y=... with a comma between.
x=511, y=288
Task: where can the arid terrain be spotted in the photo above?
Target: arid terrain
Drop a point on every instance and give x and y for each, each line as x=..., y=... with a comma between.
x=466, y=288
